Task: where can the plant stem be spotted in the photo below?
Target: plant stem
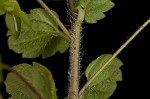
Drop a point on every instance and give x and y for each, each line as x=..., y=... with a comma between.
x=113, y=56
x=73, y=11
x=55, y=18
x=18, y=75
x=75, y=56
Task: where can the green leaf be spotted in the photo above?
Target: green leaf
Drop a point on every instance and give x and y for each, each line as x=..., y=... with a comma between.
x=23, y=16
x=94, y=9
x=12, y=7
x=56, y=44
x=41, y=39
x=104, y=85
x=82, y=3
x=9, y=5
x=37, y=75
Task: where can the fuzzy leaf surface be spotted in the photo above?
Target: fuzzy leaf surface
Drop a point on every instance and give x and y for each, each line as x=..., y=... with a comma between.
x=104, y=85
x=94, y=9
x=37, y=75
x=41, y=39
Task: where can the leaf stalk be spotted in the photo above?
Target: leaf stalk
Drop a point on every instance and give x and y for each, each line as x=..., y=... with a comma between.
x=55, y=18
x=113, y=56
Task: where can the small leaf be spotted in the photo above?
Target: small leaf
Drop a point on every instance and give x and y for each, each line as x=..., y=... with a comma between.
x=41, y=39
x=37, y=75
x=94, y=9
x=103, y=86
x=12, y=7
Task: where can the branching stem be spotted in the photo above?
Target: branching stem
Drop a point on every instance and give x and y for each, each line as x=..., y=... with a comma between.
x=113, y=56
x=55, y=18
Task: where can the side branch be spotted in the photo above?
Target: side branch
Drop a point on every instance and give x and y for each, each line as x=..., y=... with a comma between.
x=114, y=55
x=55, y=18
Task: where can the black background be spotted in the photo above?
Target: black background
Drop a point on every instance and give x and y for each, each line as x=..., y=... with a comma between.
x=104, y=37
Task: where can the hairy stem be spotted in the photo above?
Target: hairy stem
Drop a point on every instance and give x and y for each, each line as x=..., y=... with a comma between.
x=113, y=56
x=75, y=56
x=73, y=11
x=55, y=18
x=18, y=75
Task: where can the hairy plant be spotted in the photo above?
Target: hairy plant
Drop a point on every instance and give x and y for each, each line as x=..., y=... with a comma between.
x=41, y=32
